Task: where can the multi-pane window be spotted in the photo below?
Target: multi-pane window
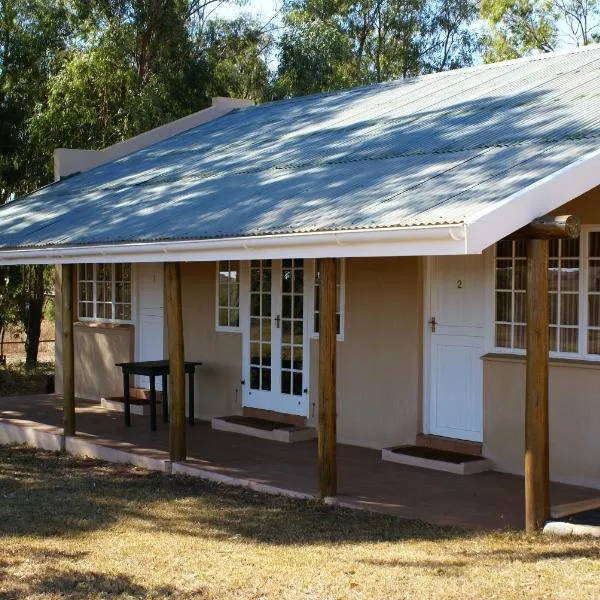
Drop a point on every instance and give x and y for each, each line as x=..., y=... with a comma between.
x=593, y=291
x=563, y=290
x=340, y=297
x=104, y=292
x=573, y=295
x=511, y=277
x=228, y=294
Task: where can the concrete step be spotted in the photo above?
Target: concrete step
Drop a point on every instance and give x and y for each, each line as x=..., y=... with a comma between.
x=438, y=460
x=266, y=430
x=450, y=444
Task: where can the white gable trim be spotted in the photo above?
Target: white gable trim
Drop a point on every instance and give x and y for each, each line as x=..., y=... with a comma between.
x=536, y=200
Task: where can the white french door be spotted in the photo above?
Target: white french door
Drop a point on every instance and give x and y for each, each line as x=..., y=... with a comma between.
x=455, y=332
x=149, y=338
x=275, y=337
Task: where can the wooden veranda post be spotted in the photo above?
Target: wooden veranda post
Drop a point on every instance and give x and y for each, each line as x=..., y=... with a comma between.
x=537, y=446
x=327, y=377
x=177, y=442
x=68, y=351
x=537, y=501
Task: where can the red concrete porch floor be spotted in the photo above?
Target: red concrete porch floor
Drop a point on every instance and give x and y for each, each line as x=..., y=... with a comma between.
x=488, y=500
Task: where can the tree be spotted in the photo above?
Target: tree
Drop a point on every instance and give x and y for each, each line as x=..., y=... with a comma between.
x=235, y=54
x=519, y=27
x=314, y=56
x=333, y=43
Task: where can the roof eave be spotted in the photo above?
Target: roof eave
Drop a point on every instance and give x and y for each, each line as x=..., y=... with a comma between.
x=401, y=241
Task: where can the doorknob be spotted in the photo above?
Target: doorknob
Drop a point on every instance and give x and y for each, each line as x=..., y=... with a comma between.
x=433, y=323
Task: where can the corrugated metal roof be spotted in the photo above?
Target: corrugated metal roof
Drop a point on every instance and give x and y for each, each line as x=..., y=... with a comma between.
x=430, y=150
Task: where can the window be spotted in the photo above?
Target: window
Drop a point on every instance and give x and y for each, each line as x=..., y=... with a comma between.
x=104, y=292
x=573, y=295
x=228, y=295
x=341, y=276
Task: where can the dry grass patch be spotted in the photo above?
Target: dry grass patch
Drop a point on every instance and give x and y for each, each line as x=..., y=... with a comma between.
x=74, y=528
x=16, y=380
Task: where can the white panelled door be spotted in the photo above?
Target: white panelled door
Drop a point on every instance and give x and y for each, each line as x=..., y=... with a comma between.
x=456, y=343
x=275, y=337
x=150, y=317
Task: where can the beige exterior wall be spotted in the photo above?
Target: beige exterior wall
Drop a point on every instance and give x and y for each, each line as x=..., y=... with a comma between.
x=574, y=404
x=574, y=400
x=218, y=381
x=379, y=366
x=98, y=346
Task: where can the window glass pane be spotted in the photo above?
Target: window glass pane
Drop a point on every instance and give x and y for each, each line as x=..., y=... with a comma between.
x=594, y=341
x=594, y=276
x=520, y=274
x=553, y=339
x=520, y=334
x=520, y=249
x=594, y=244
x=594, y=310
x=569, y=309
x=569, y=248
x=553, y=308
x=504, y=274
x=569, y=275
x=503, y=306
x=568, y=339
x=520, y=307
x=553, y=275
x=503, y=336
x=504, y=249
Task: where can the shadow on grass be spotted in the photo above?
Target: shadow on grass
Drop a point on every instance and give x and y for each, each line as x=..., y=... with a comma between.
x=49, y=495
x=80, y=585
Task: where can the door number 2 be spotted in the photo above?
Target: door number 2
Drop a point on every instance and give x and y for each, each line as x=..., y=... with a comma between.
x=459, y=284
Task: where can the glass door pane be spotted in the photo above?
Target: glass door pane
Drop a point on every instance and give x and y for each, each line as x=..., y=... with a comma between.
x=292, y=326
x=260, y=324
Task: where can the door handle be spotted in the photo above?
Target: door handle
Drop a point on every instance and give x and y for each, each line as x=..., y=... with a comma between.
x=277, y=321
x=432, y=322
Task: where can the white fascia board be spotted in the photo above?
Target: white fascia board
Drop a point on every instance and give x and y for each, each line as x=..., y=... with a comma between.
x=413, y=241
x=536, y=200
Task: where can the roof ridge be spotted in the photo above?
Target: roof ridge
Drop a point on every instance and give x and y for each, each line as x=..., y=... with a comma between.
x=472, y=68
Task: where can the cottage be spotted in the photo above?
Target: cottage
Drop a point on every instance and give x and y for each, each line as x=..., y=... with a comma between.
x=386, y=217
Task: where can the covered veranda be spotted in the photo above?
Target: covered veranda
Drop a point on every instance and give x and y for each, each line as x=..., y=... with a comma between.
x=488, y=500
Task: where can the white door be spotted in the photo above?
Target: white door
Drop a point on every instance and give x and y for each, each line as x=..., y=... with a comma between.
x=455, y=346
x=275, y=340
x=150, y=318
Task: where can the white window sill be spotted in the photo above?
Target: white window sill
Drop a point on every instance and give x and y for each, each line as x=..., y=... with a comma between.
x=554, y=361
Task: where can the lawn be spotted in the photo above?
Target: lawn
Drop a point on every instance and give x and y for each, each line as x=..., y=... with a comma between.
x=73, y=528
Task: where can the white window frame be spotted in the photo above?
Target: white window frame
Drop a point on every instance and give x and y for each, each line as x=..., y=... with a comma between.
x=310, y=275
x=94, y=302
x=582, y=353
x=228, y=328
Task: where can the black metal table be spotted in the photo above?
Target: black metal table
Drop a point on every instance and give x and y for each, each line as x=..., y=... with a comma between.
x=153, y=369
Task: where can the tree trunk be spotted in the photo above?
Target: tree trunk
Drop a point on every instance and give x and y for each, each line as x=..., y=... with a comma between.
x=34, y=313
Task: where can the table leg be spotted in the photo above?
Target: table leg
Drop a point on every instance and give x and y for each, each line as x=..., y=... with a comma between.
x=153, y=402
x=165, y=400
x=191, y=400
x=126, y=399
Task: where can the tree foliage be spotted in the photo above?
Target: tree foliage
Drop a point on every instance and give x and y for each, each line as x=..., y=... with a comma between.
x=334, y=43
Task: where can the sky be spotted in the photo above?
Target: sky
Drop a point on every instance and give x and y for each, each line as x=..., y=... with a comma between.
x=264, y=10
